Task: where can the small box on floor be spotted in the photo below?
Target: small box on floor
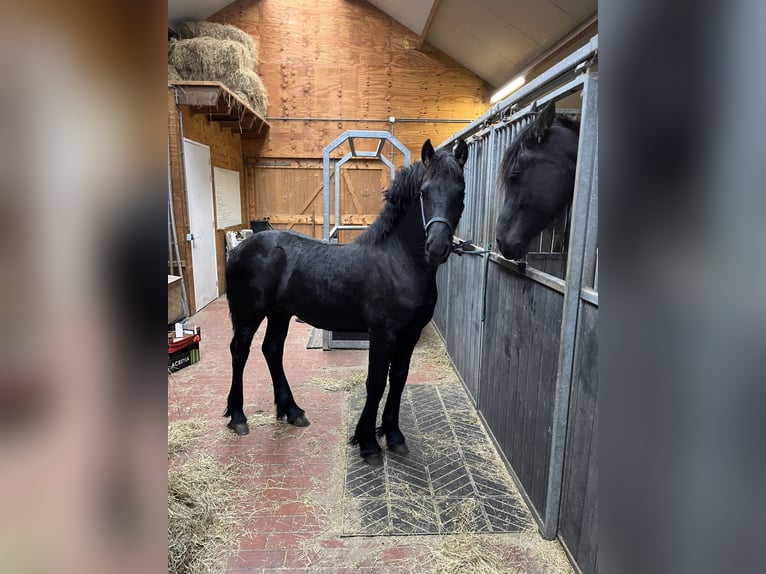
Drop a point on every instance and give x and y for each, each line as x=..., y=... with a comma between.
x=183, y=351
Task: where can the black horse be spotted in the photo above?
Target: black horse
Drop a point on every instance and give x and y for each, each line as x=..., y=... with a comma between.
x=537, y=176
x=384, y=283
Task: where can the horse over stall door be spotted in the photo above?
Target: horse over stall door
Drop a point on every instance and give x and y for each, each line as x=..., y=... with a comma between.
x=199, y=192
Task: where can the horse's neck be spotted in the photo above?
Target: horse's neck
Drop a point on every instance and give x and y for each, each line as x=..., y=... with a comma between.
x=410, y=235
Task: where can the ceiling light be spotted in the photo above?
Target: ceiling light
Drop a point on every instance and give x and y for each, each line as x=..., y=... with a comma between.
x=507, y=89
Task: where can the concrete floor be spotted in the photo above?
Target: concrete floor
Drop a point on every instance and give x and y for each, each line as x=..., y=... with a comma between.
x=300, y=514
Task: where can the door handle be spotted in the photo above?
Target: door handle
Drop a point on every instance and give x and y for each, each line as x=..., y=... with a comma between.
x=190, y=237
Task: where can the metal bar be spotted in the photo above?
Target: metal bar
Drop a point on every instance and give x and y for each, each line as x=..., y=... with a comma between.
x=350, y=227
x=595, y=274
x=370, y=120
x=391, y=167
x=535, y=275
x=568, y=64
x=381, y=143
x=584, y=186
x=326, y=194
x=568, y=88
x=589, y=295
x=591, y=236
x=350, y=135
x=338, y=165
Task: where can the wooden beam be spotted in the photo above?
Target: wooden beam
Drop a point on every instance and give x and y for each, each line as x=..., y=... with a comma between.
x=219, y=103
x=424, y=33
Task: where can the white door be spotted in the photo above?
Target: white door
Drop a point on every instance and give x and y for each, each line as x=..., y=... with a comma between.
x=199, y=193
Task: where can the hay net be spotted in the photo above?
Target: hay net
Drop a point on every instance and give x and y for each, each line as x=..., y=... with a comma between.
x=219, y=53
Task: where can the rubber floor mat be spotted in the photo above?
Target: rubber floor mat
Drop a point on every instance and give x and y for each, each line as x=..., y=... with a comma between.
x=451, y=481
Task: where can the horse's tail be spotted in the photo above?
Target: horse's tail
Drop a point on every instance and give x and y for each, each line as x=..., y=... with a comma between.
x=235, y=282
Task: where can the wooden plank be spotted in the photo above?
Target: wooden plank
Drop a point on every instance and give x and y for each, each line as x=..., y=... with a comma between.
x=547, y=389
x=203, y=95
x=218, y=102
x=533, y=351
x=550, y=312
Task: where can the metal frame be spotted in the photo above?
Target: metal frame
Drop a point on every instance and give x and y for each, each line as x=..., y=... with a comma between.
x=329, y=339
x=351, y=136
x=586, y=182
x=488, y=137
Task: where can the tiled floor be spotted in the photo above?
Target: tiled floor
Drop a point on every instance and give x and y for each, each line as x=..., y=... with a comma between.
x=316, y=507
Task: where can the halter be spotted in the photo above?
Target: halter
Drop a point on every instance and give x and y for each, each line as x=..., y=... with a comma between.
x=426, y=225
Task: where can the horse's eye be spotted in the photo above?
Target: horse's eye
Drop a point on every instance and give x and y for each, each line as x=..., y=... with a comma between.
x=515, y=176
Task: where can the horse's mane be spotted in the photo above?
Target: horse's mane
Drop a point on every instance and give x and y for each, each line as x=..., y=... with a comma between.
x=520, y=145
x=401, y=192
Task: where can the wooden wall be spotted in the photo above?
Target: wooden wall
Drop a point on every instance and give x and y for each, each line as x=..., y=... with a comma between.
x=226, y=152
x=328, y=66
x=336, y=65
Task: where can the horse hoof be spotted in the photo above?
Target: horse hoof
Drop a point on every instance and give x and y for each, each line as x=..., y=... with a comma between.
x=240, y=428
x=300, y=421
x=400, y=448
x=374, y=460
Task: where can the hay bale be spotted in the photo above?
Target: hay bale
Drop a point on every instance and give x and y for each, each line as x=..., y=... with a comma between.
x=208, y=59
x=219, y=32
x=173, y=75
x=225, y=61
x=248, y=86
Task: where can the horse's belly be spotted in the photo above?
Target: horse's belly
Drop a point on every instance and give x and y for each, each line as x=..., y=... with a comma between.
x=324, y=313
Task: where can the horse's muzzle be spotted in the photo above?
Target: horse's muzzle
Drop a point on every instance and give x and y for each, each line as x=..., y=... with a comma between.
x=512, y=249
x=437, y=252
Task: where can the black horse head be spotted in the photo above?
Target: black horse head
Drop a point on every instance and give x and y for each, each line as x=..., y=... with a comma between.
x=537, y=174
x=441, y=198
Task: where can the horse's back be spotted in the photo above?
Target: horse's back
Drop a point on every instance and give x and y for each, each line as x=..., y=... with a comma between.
x=280, y=268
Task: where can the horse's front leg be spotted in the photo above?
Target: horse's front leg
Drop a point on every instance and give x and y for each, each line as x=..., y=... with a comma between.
x=400, y=367
x=381, y=351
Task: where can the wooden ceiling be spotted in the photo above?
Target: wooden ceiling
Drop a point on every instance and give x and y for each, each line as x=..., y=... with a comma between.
x=496, y=39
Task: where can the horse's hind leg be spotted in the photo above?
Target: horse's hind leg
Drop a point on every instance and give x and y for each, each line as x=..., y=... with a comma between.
x=240, y=351
x=273, y=349
x=400, y=367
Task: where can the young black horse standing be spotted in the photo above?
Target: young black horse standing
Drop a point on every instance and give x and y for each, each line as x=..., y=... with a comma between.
x=383, y=283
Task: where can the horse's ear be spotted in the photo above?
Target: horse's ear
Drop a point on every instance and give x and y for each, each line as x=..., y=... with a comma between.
x=427, y=153
x=461, y=152
x=544, y=120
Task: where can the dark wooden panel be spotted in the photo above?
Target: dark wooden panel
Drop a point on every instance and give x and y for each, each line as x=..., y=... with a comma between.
x=464, y=318
x=549, y=342
x=578, y=526
x=518, y=374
